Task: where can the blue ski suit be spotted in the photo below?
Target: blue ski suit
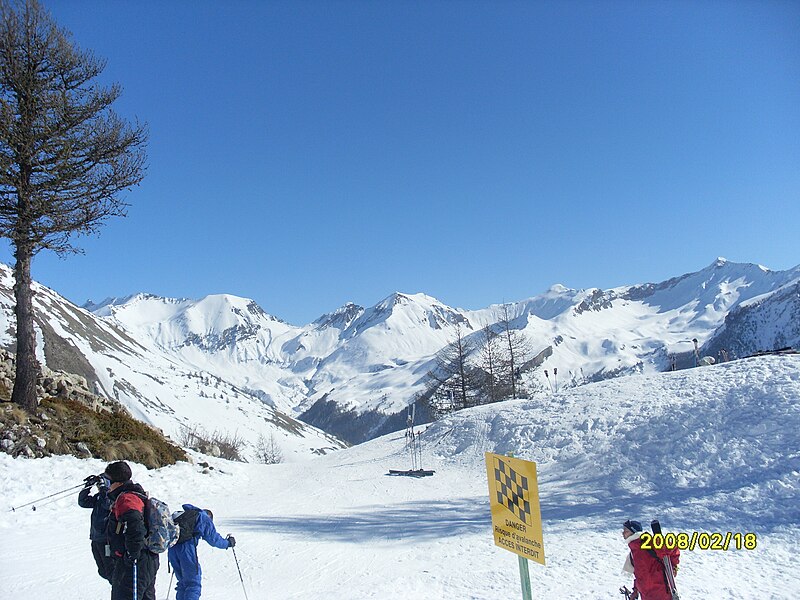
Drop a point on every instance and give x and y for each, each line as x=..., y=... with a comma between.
x=183, y=556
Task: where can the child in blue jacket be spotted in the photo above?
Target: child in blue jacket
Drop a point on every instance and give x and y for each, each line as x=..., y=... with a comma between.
x=196, y=523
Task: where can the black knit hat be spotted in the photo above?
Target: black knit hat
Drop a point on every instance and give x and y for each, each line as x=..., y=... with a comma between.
x=118, y=472
x=633, y=526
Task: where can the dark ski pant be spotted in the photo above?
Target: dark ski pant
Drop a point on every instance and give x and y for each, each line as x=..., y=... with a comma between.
x=122, y=581
x=105, y=564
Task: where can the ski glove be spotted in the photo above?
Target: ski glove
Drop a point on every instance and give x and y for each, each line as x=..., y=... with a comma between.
x=231, y=541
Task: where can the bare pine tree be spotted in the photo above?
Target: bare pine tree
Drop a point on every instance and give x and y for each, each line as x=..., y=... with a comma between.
x=453, y=380
x=491, y=360
x=65, y=156
x=514, y=352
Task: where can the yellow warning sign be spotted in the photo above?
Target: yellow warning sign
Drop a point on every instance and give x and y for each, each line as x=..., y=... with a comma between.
x=514, y=499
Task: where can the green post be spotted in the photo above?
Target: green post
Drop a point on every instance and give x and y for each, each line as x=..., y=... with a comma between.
x=525, y=578
x=524, y=575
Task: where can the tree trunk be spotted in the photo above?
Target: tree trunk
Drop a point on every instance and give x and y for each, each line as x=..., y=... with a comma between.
x=511, y=358
x=27, y=367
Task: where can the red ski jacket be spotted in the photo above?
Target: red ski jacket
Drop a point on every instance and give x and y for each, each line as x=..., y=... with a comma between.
x=648, y=570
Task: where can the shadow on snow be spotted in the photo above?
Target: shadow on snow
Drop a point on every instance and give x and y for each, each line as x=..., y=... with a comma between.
x=413, y=521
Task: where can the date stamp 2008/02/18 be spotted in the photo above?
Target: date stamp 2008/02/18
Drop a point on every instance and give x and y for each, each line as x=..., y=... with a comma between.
x=699, y=541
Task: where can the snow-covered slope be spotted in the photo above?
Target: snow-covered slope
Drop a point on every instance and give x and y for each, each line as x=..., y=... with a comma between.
x=708, y=450
x=770, y=321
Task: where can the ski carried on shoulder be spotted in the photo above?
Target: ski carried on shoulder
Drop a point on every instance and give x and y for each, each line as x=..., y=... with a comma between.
x=668, y=571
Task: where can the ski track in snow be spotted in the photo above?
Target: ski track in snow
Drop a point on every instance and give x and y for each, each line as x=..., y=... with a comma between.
x=712, y=449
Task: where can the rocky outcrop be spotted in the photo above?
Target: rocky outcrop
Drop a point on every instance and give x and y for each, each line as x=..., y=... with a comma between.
x=70, y=419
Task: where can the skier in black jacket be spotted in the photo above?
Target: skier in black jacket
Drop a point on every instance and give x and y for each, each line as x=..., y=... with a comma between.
x=100, y=505
x=126, y=537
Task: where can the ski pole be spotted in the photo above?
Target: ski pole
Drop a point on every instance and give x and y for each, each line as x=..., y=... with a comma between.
x=135, y=581
x=625, y=591
x=169, y=587
x=14, y=508
x=240, y=573
x=51, y=501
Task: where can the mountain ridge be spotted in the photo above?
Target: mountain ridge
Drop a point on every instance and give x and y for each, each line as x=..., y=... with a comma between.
x=371, y=362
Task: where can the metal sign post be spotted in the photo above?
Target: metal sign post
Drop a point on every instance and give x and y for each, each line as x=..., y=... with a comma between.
x=525, y=578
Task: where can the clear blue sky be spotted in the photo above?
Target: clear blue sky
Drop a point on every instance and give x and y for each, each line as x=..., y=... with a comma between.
x=306, y=154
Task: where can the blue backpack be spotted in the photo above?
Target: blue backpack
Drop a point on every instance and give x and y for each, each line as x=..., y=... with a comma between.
x=162, y=532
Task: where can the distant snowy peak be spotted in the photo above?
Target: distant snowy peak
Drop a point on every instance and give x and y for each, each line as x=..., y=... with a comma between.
x=716, y=288
x=211, y=324
x=341, y=318
x=722, y=261
x=147, y=307
x=105, y=307
x=720, y=285
x=403, y=311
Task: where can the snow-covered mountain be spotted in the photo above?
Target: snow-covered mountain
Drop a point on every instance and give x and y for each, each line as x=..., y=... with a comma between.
x=353, y=371
x=153, y=383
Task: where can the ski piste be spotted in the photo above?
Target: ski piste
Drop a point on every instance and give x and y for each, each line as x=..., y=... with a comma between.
x=655, y=526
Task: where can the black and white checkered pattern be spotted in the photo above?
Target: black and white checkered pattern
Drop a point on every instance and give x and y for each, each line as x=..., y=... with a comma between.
x=512, y=491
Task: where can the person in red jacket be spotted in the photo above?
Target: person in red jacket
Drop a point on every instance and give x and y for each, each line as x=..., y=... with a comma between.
x=649, y=579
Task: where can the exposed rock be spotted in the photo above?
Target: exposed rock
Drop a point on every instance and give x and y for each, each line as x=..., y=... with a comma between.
x=77, y=419
x=83, y=449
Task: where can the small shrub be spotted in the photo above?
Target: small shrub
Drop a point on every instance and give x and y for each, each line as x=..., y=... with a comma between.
x=5, y=391
x=268, y=451
x=223, y=444
x=230, y=445
x=192, y=437
x=16, y=415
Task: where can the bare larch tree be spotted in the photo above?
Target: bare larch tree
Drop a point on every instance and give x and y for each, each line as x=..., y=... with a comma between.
x=453, y=382
x=514, y=352
x=491, y=354
x=65, y=156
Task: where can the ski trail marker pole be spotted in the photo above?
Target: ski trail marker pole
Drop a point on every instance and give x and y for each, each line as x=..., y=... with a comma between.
x=240, y=573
